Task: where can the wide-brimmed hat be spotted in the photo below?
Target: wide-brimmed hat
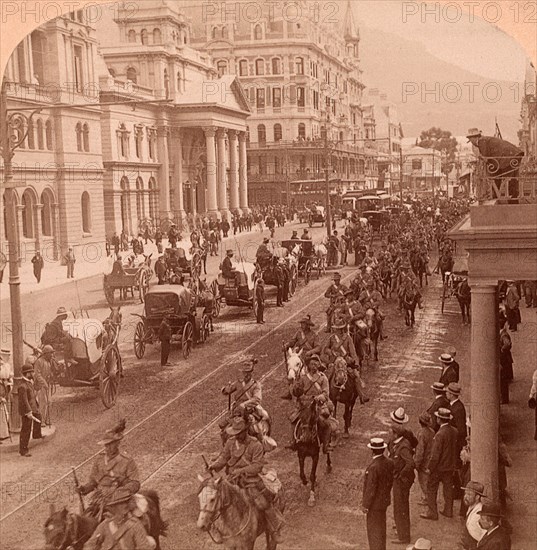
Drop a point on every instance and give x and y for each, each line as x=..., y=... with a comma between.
x=438, y=386
x=443, y=414
x=377, y=444
x=27, y=367
x=446, y=358
x=421, y=544
x=492, y=509
x=425, y=418
x=30, y=360
x=121, y=494
x=47, y=349
x=339, y=323
x=114, y=434
x=5, y=352
x=336, y=275
x=266, y=240
x=312, y=357
x=248, y=364
x=61, y=311
x=237, y=426
x=307, y=321
x=399, y=416
x=454, y=388
x=229, y=252
x=476, y=487
x=474, y=132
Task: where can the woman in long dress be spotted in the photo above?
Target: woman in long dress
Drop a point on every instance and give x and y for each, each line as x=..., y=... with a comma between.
x=6, y=384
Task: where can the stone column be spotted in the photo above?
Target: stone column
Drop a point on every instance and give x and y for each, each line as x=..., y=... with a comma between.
x=37, y=225
x=233, y=173
x=243, y=170
x=20, y=213
x=177, y=156
x=56, y=231
x=212, y=208
x=164, y=172
x=221, y=172
x=485, y=387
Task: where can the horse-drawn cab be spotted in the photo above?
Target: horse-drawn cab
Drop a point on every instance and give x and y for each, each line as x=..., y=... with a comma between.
x=317, y=215
x=184, y=259
x=239, y=290
x=376, y=219
x=132, y=276
x=308, y=260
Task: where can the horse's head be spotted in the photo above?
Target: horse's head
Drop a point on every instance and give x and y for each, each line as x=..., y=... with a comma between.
x=209, y=500
x=340, y=371
x=370, y=316
x=294, y=364
x=56, y=528
x=115, y=316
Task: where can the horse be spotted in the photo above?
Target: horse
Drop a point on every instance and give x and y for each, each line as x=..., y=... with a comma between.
x=373, y=322
x=321, y=252
x=308, y=445
x=66, y=530
x=385, y=279
x=343, y=390
x=445, y=265
x=230, y=517
x=360, y=339
x=409, y=300
x=112, y=325
x=295, y=365
x=418, y=262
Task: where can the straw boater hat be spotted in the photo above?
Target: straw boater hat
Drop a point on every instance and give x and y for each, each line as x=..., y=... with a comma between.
x=443, y=414
x=474, y=132
x=421, y=544
x=476, y=487
x=446, y=358
x=238, y=425
x=454, y=388
x=492, y=509
x=377, y=444
x=115, y=434
x=438, y=386
x=399, y=416
x=339, y=323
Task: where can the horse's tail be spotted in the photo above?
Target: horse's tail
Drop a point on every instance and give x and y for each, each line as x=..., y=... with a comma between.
x=160, y=525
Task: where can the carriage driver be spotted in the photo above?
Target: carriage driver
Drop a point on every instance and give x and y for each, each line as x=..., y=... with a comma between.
x=336, y=292
x=242, y=456
x=228, y=269
x=55, y=336
x=111, y=470
x=263, y=254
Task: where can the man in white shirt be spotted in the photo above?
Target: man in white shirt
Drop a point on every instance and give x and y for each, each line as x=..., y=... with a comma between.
x=473, y=533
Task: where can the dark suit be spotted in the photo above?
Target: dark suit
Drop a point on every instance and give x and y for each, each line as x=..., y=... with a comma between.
x=442, y=464
x=440, y=402
x=28, y=404
x=260, y=298
x=459, y=421
x=449, y=374
x=378, y=482
x=495, y=540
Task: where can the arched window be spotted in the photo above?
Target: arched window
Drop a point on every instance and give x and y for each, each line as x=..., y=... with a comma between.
x=259, y=66
x=79, y=136
x=132, y=36
x=302, y=130
x=31, y=137
x=243, y=67
x=40, y=136
x=143, y=36
x=214, y=30
x=28, y=215
x=140, y=199
x=261, y=134
x=153, y=199
x=276, y=65
x=157, y=36
x=299, y=62
x=221, y=66
x=46, y=213
x=85, y=137
x=258, y=32
x=86, y=212
x=48, y=134
x=131, y=74
x=277, y=132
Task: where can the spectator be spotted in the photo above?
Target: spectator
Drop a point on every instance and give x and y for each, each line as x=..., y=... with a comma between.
x=473, y=532
x=532, y=402
x=506, y=364
x=495, y=537
x=423, y=453
x=38, y=265
x=450, y=372
x=70, y=262
x=440, y=401
x=530, y=293
x=512, y=311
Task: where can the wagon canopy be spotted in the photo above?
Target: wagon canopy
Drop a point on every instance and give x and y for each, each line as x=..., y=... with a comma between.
x=87, y=337
x=168, y=300
x=246, y=271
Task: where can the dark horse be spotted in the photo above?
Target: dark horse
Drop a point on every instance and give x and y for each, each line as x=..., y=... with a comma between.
x=308, y=444
x=273, y=274
x=409, y=299
x=66, y=530
x=343, y=390
x=418, y=262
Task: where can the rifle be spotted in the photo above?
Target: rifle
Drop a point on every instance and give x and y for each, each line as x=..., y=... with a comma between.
x=33, y=348
x=207, y=465
x=77, y=485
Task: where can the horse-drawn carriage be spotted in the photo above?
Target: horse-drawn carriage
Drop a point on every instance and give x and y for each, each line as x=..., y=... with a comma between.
x=184, y=259
x=452, y=280
x=133, y=276
x=189, y=323
x=93, y=357
x=317, y=215
x=239, y=290
x=308, y=261
x=376, y=219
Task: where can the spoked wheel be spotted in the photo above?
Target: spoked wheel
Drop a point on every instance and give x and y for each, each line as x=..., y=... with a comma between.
x=205, y=329
x=187, y=339
x=307, y=272
x=293, y=280
x=139, y=340
x=110, y=376
x=217, y=306
x=195, y=266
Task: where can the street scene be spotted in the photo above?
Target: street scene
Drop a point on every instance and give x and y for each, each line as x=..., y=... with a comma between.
x=250, y=297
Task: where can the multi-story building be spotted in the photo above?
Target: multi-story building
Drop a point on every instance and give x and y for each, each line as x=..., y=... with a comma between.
x=304, y=85
x=528, y=133
x=92, y=163
x=422, y=169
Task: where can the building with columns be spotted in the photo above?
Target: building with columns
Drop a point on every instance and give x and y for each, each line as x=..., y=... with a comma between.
x=91, y=165
x=303, y=82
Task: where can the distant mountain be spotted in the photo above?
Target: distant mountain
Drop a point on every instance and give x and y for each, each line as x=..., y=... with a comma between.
x=388, y=61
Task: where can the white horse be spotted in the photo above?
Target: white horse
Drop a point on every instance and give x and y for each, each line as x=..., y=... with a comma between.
x=295, y=364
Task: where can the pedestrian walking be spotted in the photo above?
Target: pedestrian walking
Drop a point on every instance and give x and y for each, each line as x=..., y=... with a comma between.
x=260, y=299
x=495, y=537
x=506, y=363
x=423, y=453
x=29, y=410
x=378, y=481
x=441, y=466
x=70, y=263
x=401, y=452
x=43, y=369
x=440, y=401
x=532, y=401
x=38, y=265
x=472, y=532
x=165, y=335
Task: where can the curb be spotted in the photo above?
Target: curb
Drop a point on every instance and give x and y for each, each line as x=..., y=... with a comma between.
x=11, y=446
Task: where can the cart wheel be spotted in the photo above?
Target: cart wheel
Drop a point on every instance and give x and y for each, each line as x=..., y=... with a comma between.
x=139, y=340
x=187, y=339
x=110, y=376
x=195, y=266
x=217, y=306
x=205, y=328
x=307, y=272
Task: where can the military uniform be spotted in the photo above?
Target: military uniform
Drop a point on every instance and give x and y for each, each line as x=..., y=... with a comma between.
x=112, y=535
x=341, y=346
x=334, y=293
x=306, y=340
x=245, y=392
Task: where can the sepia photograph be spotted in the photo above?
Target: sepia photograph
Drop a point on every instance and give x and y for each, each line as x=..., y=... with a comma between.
x=268, y=275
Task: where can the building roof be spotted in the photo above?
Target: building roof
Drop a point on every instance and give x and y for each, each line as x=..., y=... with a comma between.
x=350, y=30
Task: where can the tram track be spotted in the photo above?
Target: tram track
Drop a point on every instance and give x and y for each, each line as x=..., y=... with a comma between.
x=173, y=403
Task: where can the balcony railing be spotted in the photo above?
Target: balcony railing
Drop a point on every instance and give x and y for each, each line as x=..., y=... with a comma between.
x=506, y=180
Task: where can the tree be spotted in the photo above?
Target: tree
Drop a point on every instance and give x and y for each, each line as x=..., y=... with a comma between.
x=443, y=141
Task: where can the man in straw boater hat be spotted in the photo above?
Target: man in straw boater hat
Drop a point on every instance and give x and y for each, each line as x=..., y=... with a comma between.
x=242, y=456
x=421, y=544
x=440, y=401
x=121, y=529
x=111, y=470
x=449, y=370
x=28, y=409
x=378, y=480
x=473, y=532
x=442, y=466
x=496, y=536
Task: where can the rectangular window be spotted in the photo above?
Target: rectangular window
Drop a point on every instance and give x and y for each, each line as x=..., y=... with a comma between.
x=260, y=98
x=276, y=97
x=78, y=68
x=301, y=96
x=416, y=164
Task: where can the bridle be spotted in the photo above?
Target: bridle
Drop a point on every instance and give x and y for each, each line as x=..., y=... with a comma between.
x=67, y=543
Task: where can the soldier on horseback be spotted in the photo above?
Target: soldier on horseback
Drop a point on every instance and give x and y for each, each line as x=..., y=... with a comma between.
x=336, y=292
x=242, y=456
x=371, y=298
x=111, y=470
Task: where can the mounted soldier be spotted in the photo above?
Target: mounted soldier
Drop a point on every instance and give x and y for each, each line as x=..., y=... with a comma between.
x=371, y=298
x=335, y=293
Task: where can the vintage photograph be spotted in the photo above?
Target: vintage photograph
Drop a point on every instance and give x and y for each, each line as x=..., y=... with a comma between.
x=268, y=275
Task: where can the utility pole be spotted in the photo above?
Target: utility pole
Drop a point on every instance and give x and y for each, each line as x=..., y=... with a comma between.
x=401, y=175
x=327, y=184
x=432, y=181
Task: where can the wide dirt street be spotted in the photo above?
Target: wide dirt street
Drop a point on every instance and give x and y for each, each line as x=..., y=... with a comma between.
x=172, y=417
